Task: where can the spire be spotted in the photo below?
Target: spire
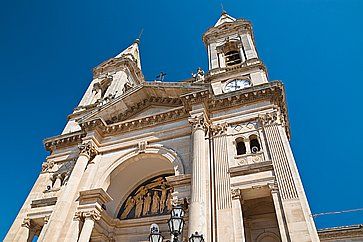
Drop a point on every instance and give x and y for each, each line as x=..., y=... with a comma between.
x=132, y=52
x=225, y=18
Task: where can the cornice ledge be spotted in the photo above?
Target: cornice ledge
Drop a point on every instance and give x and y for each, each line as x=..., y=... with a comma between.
x=63, y=140
x=192, y=98
x=133, y=110
x=113, y=63
x=134, y=124
x=272, y=91
x=341, y=232
x=245, y=66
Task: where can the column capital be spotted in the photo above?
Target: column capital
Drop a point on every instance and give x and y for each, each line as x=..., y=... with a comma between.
x=78, y=215
x=199, y=122
x=273, y=187
x=29, y=224
x=26, y=223
x=273, y=118
x=93, y=214
x=88, y=149
x=219, y=129
x=46, y=219
x=236, y=193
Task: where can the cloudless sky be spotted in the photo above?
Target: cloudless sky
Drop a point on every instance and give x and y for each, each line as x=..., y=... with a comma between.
x=48, y=49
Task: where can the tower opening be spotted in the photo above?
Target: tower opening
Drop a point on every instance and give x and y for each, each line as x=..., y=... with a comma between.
x=241, y=147
x=254, y=144
x=232, y=58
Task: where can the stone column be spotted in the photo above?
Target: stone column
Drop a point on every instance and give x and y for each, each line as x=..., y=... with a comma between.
x=279, y=212
x=238, y=226
x=223, y=206
x=89, y=222
x=293, y=202
x=198, y=218
x=67, y=198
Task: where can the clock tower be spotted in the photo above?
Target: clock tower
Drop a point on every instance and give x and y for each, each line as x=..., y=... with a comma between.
x=232, y=57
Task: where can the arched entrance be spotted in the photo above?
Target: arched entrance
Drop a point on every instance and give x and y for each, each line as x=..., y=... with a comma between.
x=135, y=168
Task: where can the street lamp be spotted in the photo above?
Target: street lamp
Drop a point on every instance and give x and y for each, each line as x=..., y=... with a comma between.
x=196, y=237
x=155, y=235
x=175, y=223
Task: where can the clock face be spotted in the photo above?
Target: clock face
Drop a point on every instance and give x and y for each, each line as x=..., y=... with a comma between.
x=236, y=84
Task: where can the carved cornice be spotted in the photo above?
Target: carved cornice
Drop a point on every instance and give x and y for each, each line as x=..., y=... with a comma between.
x=130, y=125
x=64, y=140
x=115, y=64
x=344, y=232
x=215, y=32
x=251, y=64
x=250, y=169
x=272, y=91
x=195, y=98
x=131, y=111
x=88, y=149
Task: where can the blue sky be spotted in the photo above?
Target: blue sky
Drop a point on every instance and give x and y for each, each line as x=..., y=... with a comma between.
x=48, y=48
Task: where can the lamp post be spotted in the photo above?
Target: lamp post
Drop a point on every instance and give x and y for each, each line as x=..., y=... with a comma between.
x=196, y=237
x=175, y=223
x=155, y=235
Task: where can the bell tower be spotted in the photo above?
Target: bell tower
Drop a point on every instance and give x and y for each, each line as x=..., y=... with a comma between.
x=232, y=56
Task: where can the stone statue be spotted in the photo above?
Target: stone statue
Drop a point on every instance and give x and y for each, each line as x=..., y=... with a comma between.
x=155, y=204
x=199, y=76
x=147, y=204
x=139, y=205
x=164, y=190
x=130, y=203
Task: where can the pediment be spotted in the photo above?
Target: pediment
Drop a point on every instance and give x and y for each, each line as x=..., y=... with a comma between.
x=152, y=109
x=145, y=100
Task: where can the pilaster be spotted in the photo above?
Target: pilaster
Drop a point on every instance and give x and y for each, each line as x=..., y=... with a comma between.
x=223, y=206
x=279, y=212
x=293, y=201
x=238, y=226
x=63, y=206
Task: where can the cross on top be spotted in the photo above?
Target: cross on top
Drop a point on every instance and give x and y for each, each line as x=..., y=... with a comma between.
x=161, y=76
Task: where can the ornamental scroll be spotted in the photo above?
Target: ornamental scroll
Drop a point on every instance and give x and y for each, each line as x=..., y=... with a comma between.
x=150, y=199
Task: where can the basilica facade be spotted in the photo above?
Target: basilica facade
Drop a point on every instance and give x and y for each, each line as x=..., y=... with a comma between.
x=216, y=144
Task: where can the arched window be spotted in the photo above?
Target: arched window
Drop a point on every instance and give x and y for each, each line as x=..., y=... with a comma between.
x=233, y=57
x=231, y=53
x=240, y=146
x=254, y=144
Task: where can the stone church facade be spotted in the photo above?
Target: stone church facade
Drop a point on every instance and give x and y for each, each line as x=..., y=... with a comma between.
x=216, y=144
